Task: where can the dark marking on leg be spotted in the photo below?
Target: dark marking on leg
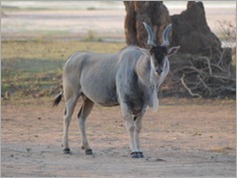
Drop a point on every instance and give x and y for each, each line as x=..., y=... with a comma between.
x=135, y=118
x=134, y=155
x=89, y=152
x=79, y=113
x=140, y=154
x=65, y=111
x=67, y=151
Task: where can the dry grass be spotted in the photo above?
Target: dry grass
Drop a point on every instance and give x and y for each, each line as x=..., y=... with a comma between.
x=34, y=68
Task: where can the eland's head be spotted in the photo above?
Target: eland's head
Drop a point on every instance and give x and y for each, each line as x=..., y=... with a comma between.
x=159, y=53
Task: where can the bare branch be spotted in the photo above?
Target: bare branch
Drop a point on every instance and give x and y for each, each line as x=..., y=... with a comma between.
x=188, y=89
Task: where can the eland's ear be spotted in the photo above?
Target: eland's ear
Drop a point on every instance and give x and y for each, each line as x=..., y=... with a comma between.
x=173, y=50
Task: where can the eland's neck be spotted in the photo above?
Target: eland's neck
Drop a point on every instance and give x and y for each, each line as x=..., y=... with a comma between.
x=145, y=72
x=147, y=80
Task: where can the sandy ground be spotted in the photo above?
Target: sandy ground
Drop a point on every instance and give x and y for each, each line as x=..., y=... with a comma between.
x=81, y=24
x=184, y=138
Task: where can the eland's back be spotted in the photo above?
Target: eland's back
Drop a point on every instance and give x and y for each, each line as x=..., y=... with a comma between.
x=94, y=74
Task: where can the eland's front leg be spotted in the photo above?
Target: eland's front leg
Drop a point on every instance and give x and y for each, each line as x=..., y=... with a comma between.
x=138, y=126
x=130, y=125
x=82, y=115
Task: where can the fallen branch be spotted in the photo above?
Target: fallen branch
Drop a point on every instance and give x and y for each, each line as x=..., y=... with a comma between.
x=188, y=89
x=201, y=76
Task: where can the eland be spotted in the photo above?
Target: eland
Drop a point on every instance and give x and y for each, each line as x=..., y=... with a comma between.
x=129, y=78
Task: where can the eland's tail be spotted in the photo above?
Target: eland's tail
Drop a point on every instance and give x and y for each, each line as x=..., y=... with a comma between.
x=57, y=99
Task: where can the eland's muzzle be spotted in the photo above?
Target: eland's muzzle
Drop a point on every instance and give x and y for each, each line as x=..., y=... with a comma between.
x=159, y=70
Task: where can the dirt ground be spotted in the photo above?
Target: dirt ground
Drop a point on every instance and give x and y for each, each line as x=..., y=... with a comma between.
x=183, y=138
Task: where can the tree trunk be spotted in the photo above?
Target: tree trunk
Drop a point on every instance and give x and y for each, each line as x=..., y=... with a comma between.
x=153, y=13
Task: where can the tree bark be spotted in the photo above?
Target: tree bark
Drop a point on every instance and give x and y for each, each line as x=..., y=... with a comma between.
x=153, y=13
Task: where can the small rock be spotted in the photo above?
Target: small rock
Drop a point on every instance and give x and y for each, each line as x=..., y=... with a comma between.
x=28, y=150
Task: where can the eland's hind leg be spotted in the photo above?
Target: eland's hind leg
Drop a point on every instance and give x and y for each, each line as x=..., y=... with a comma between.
x=82, y=115
x=69, y=108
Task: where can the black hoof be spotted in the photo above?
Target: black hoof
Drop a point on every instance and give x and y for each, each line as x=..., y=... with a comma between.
x=67, y=151
x=140, y=154
x=134, y=155
x=89, y=152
